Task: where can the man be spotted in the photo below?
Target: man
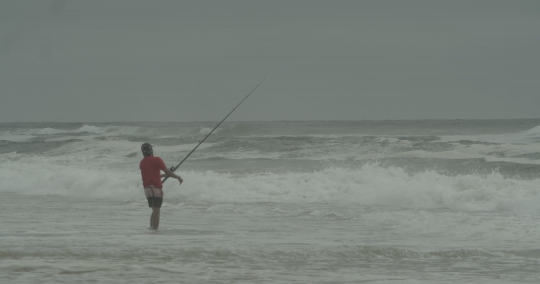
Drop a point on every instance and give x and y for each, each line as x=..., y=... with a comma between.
x=153, y=189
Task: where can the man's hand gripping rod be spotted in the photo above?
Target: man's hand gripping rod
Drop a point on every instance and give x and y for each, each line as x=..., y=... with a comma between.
x=189, y=154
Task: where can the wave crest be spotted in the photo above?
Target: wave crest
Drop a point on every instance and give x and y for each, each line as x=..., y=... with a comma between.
x=370, y=185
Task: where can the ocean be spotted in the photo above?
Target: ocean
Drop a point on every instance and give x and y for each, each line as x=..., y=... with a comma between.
x=427, y=201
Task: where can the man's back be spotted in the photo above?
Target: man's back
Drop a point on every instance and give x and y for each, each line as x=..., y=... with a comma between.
x=150, y=171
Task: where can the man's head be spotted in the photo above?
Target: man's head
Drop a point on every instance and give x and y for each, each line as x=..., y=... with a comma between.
x=147, y=150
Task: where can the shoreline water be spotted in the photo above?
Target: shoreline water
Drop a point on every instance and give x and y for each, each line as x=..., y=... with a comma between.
x=276, y=202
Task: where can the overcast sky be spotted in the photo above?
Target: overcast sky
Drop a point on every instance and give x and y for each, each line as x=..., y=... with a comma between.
x=158, y=60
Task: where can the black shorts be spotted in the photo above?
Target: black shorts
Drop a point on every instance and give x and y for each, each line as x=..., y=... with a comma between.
x=154, y=196
x=155, y=201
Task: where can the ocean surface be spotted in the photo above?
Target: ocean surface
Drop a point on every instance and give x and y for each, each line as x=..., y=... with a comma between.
x=430, y=201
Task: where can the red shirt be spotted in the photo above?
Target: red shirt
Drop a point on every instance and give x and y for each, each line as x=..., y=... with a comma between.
x=150, y=167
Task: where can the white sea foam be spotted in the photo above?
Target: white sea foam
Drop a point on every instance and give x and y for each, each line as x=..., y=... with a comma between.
x=40, y=176
x=368, y=185
x=7, y=136
x=111, y=153
x=67, y=138
x=513, y=153
x=530, y=136
x=205, y=130
x=90, y=129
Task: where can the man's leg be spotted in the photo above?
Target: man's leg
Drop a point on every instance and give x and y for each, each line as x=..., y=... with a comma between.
x=154, y=220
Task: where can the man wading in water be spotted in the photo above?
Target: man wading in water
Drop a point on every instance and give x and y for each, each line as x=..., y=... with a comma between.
x=151, y=176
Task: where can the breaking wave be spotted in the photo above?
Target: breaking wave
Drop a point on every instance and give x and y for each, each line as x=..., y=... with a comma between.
x=370, y=184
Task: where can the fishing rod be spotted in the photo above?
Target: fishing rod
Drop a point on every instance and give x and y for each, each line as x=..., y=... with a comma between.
x=189, y=154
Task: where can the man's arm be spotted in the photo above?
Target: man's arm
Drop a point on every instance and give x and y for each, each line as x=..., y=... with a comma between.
x=170, y=173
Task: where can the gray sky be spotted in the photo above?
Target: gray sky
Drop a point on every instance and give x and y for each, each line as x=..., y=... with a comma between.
x=158, y=60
